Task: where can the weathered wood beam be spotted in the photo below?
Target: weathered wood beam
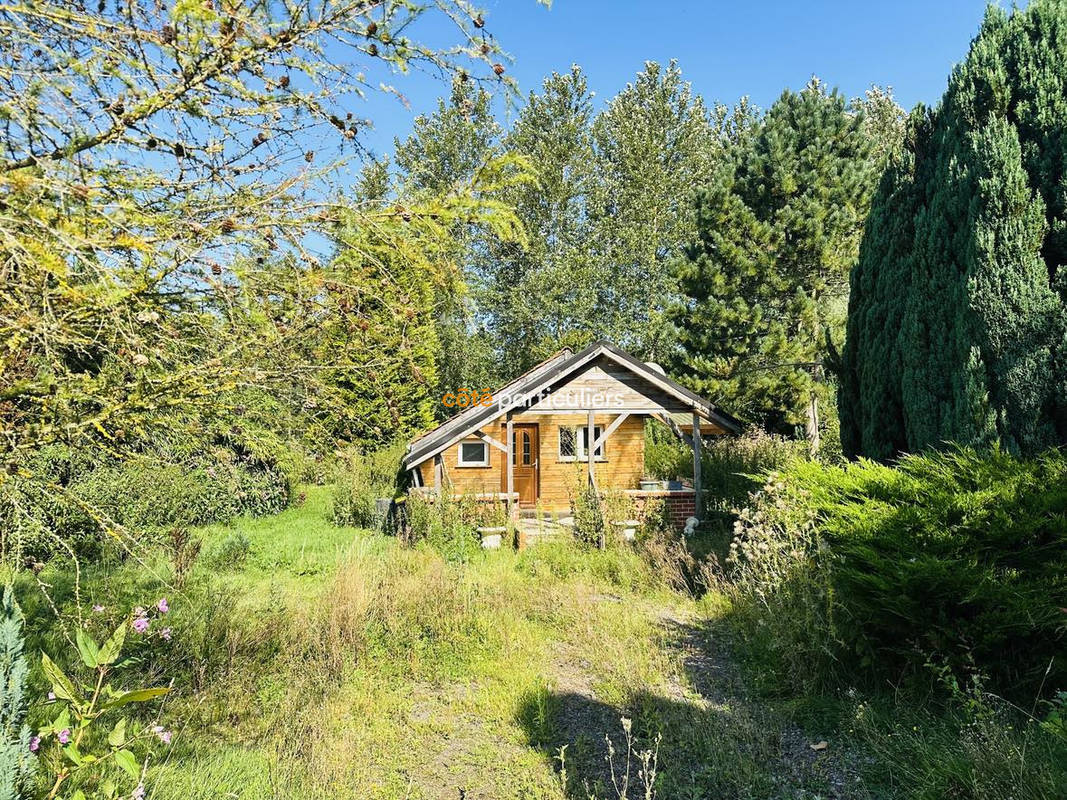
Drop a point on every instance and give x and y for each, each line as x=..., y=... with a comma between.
x=438, y=472
x=508, y=456
x=614, y=426
x=697, y=467
x=589, y=452
x=485, y=437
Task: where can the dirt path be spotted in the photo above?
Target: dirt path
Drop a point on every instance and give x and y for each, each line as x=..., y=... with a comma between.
x=717, y=740
x=807, y=766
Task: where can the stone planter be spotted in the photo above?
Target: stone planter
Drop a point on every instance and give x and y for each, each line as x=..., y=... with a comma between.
x=492, y=538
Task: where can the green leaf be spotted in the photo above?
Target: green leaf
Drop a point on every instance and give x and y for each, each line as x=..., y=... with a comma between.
x=62, y=721
x=109, y=653
x=71, y=752
x=88, y=649
x=78, y=795
x=126, y=761
x=136, y=696
x=61, y=684
x=117, y=737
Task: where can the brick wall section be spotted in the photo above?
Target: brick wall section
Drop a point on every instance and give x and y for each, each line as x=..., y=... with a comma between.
x=681, y=504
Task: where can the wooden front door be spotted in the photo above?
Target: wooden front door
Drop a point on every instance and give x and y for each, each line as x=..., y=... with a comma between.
x=525, y=457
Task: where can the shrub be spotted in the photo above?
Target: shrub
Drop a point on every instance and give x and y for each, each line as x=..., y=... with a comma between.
x=871, y=572
x=363, y=478
x=590, y=524
x=231, y=552
x=446, y=524
x=147, y=495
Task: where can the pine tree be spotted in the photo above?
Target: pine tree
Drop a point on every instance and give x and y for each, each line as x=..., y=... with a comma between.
x=767, y=276
x=17, y=763
x=957, y=325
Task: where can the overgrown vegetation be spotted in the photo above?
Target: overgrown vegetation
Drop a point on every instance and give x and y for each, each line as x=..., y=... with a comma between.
x=199, y=313
x=362, y=481
x=944, y=565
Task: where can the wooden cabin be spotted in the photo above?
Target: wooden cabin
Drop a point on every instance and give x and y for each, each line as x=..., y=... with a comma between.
x=529, y=443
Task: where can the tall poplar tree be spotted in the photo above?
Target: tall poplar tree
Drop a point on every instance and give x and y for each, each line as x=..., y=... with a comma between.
x=445, y=151
x=656, y=141
x=543, y=296
x=766, y=277
x=957, y=325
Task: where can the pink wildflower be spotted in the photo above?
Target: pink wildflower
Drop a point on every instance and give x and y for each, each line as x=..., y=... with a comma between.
x=98, y=609
x=140, y=624
x=64, y=736
x=138, y=793
x=35, y=744
x=163, y=734
x=51, y=695
x=162, y=605
x=165, y=634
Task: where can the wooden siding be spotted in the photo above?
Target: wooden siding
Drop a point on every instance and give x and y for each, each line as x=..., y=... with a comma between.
x=622, y=468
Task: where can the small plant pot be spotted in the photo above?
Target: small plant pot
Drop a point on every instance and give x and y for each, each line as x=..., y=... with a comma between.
x=627, y=528
x=492, y=538
x=650, y=485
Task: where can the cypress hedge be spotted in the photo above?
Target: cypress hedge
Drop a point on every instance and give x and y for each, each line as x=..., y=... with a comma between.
x=957, y=327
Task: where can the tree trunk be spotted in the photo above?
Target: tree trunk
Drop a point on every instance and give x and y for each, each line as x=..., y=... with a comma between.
x=813, y=426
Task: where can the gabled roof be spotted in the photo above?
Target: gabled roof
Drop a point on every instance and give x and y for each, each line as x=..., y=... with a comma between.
x=548, y=372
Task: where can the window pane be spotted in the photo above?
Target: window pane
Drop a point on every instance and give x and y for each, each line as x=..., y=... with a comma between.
x=584, y=439
x=525, y=448
x=472, y=453
x=566, y=443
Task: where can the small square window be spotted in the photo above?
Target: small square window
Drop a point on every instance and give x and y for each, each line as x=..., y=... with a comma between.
x=473, y=454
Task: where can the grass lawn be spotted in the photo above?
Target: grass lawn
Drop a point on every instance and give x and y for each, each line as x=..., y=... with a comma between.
x=314, y=661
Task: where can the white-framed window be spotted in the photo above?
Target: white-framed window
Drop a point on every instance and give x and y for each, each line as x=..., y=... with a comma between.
x=574, y=443
x=473, y=453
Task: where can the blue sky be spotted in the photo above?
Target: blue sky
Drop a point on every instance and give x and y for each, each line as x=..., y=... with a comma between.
x=726, y=49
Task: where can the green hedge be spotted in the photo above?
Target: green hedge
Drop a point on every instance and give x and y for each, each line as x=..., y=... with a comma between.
x=146, y=495
x=949, y=564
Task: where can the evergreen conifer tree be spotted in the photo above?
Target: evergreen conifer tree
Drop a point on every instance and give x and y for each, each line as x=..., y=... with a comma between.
x=767, y=276
x=16, y=761
x=958, y=310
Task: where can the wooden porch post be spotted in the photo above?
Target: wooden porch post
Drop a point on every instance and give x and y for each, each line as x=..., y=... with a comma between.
x=590, y=441
x=508, y=454
x=697, y=486
x=439, y=473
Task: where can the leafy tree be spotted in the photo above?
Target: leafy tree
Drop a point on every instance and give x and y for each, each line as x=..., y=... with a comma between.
x=17, y=763
x=767, y=275
x=166, y=235
x=543, y=296
x=445, y=150
x=609, y=210
x=957, y=323
x=655, y=142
